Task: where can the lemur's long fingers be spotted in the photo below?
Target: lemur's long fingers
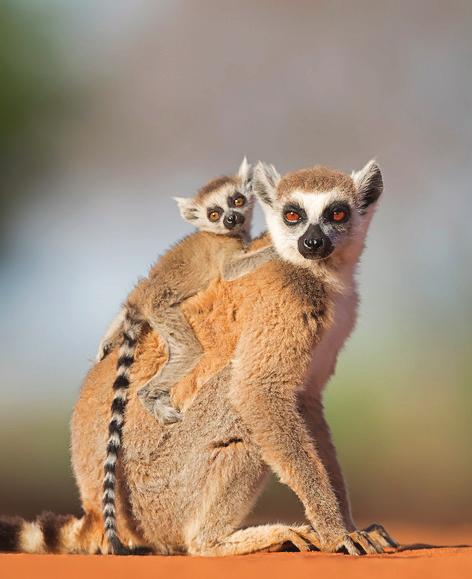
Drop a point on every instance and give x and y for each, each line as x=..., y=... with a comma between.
x=378, y=533
x=309, y=535
x=363, y=540
x=377, y=545
x=348, y=545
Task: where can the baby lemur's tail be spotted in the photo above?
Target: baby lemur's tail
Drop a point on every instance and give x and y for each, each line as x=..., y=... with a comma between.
x=132, y=326
x=51, y=533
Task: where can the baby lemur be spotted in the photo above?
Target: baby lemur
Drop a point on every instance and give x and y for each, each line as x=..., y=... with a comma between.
x=222, y=211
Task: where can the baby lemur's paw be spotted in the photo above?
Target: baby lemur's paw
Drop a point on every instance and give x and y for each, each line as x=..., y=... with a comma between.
x=158, y=404
x=165, y=413
x=104, y=348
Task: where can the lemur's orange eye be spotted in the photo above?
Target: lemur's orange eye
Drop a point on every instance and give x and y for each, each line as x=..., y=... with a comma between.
x=292, y=216
x=239, y=201
x=213, y=216
x=339, y=215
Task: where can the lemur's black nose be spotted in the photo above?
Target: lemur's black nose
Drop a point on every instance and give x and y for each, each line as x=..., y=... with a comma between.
x=232, y=219
x=313, y=243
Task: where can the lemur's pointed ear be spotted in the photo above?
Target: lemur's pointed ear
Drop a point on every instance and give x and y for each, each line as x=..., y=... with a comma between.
x=245, y=172
x=369, y=184
x=265, y=181
x=188, y=208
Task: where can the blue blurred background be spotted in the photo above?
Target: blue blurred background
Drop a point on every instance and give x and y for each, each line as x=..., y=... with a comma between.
x=109, y=108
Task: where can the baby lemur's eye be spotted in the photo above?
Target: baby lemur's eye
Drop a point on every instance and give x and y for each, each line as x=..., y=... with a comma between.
x=292, y=216
x=239, y=201
x=214, y=215
x=339, y=214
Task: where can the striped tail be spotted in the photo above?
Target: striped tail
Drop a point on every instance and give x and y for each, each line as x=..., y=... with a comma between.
x=51, y=533
x=131, y=330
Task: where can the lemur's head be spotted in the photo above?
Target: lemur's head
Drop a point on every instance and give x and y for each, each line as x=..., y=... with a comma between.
x=313, y=214
x=223, y=206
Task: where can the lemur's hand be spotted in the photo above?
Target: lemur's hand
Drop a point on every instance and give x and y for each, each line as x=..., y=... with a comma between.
x=361, y=542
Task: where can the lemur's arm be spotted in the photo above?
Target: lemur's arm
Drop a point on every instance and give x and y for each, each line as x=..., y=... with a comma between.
x=264, y=390
x=243, y=263
x=313, y=413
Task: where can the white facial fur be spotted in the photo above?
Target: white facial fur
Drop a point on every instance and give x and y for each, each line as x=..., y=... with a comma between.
x=285, y=237
x=349, y=239
x=196, y=210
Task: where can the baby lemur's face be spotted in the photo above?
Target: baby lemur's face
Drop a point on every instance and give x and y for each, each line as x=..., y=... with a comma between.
x=315, y=213
x=223, y=206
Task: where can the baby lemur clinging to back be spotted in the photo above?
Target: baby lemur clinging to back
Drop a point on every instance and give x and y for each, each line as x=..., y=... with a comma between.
x=222, y=212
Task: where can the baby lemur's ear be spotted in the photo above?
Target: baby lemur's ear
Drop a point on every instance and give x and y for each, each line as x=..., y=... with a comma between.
x=188, y=208
x=369, y=184
x=265, y=181
x=245, y=172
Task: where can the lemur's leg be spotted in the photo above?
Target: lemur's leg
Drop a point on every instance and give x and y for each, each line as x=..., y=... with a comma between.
x=244, y=263
x=183, y=350
x=231, y=472
x=112, y=336
x=264, y=538
x=312, y=409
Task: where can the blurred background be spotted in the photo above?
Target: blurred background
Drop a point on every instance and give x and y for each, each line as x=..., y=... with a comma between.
x=109, y=108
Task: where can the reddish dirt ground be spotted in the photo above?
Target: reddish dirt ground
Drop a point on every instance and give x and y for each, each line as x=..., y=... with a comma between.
x=447, y=562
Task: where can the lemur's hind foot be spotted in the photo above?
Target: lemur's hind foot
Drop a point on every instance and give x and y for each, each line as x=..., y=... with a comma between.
x=105, y=348
x=112, y=337
x=266, y=538
x=158, y=405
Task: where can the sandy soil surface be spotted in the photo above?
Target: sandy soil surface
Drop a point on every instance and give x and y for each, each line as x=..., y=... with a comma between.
x=446, y=562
